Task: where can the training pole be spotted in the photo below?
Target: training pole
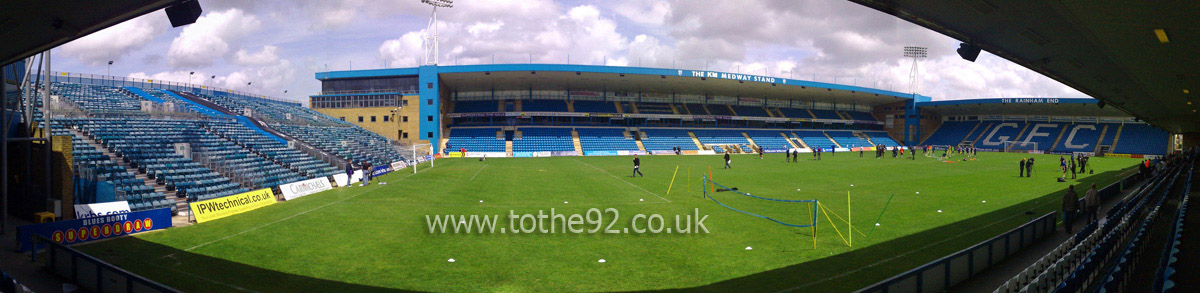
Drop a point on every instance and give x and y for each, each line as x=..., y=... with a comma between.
x=885, y=205
x=711, y=187
x=672, y=179
x=814, y=224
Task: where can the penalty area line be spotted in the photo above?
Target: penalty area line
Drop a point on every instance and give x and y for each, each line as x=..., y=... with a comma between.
x=622, y=180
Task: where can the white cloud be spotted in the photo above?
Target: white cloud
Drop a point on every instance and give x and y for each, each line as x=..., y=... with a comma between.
x=647, y=12
x=112, y=43
x=210, y=38
x=820, y=40
x=260, y=58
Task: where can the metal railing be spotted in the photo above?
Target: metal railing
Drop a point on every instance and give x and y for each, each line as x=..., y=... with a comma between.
x=90, y=272
x=944, y=273
x=117, y=81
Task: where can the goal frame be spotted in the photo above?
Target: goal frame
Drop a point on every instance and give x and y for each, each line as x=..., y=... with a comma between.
x=1021, y=147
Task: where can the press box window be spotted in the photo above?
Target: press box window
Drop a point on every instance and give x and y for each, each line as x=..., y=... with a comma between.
x=372, y=118
x=385, y=118
x=405, y=119
x=360, y=120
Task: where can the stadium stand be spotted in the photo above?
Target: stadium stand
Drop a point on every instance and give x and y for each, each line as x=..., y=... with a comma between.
x=769, y=139
x=861, y=116
x=695, y=109
x=1105, y=255
x=98, y=99
x=654, y=108
x=480, y=106
x=149, y=146
x=825, y=114
x=476, y=139
x=715, y=136
x=881, y=137
x=544, y=105
x=605, y=139
x=1007, y=130
x=348, y=142
x=537, y=139
x=847, y=139
x=815, y=139
x=270, y=110
x=594, y=107
x=662, y=139
x=756, y=111
x=1141, y=139
x=795, y=113
x=1084, y=140
x=717, y=109
x=951, y=133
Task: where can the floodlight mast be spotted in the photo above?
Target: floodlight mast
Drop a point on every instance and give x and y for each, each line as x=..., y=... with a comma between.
x=915, y=53
x=431, y=42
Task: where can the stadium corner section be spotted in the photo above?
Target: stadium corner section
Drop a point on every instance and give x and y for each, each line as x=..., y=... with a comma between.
x=115, y=225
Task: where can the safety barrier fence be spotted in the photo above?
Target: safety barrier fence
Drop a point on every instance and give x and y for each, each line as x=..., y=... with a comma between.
x=90, y=272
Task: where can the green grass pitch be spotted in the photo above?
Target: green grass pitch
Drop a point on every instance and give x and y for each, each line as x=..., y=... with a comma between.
x=375, y=238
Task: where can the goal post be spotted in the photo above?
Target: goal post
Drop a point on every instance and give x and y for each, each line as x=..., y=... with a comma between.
x=420, y=153
x=1021, y=147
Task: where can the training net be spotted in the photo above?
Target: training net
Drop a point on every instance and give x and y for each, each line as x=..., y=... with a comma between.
x=788, y=212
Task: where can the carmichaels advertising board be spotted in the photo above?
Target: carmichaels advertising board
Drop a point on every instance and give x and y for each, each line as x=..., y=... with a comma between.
x=298, y=189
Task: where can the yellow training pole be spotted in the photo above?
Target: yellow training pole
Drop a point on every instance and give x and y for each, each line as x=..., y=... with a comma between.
x=848, y=219
x=672, y=179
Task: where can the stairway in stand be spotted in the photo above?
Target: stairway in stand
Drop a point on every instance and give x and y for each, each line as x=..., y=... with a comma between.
x=181, y=203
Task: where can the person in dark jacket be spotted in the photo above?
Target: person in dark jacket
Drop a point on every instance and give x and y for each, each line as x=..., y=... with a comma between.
x=1073, y=170
x=1022, y=168
x=727, y=161
x=1070, y=205
x=637, y=164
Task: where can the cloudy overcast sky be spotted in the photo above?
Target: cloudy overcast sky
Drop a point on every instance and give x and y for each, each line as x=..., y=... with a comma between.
x=278, y=45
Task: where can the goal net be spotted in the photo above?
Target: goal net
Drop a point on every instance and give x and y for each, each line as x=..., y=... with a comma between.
x=1021, y=147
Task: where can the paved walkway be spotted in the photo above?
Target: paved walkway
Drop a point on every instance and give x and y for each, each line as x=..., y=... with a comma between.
x=21, y=267
x=995, y=276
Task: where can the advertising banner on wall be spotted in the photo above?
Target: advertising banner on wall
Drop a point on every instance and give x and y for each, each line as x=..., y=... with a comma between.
x=96, y=228
x=380, y=170
x=341, y=179
x=298, y=189
x=83, y=211
x=397, y=165
x=217, y=208
x=564, y=154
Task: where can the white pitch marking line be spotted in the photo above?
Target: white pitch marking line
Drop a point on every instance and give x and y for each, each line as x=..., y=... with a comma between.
x=289, y=217
x=477, y=172
x=622, y=180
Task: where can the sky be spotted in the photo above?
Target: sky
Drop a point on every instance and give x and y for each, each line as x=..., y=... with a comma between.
x=274, y=47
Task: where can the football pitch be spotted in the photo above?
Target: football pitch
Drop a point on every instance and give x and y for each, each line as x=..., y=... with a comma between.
x=377, y=238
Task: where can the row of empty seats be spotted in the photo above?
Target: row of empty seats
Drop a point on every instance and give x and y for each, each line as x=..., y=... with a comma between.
x=655, y=108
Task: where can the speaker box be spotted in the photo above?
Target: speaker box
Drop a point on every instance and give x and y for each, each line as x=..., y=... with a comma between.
x=184, y=12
